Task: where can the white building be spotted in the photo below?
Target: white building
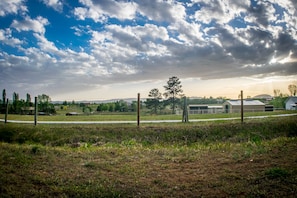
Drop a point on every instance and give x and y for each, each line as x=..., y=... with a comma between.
x=203, y=109
x=291, y=103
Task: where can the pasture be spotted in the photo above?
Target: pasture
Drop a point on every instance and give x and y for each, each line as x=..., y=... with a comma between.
x=131, y=116
x=211, y=159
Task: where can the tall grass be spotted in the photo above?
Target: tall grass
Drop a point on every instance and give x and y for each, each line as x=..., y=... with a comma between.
x=149, y=134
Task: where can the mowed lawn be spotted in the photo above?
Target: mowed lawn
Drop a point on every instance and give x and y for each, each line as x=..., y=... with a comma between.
x=226, y=159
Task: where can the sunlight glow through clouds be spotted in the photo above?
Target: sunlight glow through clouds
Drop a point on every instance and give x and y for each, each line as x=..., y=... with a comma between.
x=89, y=49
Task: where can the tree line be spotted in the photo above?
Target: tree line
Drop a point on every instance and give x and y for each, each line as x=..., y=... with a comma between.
x=25, y=106
x=172, y=97
x=155, y=103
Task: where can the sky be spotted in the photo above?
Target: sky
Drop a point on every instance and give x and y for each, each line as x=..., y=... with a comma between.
x=106, y=49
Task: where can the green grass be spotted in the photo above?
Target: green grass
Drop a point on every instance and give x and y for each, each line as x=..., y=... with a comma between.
x=132, y=116
x=148, y=134
x=227, y=159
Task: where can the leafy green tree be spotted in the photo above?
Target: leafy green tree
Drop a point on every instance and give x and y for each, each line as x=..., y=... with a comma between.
x=111, y=107
x=3, y=102
x=133, y=106
x=153, y=102
x=279, y=99
x=121, y=106
x=105, y=107
x=28, y=98
x=3, y=97
x=99, y=107
x=87, y=109
x=173, y=90
x=16, y=104
x=45, y=105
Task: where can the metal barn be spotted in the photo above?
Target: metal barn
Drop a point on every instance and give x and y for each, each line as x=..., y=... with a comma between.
x=234, y=106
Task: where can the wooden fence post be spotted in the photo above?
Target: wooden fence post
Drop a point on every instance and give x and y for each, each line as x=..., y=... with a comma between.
x=241, y=96
x=138, y=109
x=185, y=111
x=35, y=111
x=6, y=110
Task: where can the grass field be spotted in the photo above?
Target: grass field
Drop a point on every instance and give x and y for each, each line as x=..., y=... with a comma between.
x=132, y=116
x=225, y=159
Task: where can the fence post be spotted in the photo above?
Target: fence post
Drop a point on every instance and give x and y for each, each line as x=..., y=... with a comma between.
x=6, y=111
x=35, y=111
x=241, y=97
x=185, y=111
x=138, y=109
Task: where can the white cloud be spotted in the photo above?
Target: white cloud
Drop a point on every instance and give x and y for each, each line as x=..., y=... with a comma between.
x=151, y=31
x=157, y=10
x=8, y=39
x=100, y=10
x=28, y=24
x=189, y=33
x=45, y=45
x=150, y=39
x=12, y=7
x=55, y=4
x=221, y=12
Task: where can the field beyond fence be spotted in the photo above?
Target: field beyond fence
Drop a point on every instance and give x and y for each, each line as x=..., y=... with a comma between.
x=133, y=116
x=210, y=159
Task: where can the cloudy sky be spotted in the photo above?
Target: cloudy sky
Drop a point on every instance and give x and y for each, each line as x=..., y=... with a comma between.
x=104, y=49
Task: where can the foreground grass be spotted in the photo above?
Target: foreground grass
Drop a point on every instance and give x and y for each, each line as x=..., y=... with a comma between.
x=257, y=159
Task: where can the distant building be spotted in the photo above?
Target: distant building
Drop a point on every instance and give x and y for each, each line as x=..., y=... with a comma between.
x=291, y=103
x=203, y=109
x=28, y=110
x=249, y=105
x=264, y=98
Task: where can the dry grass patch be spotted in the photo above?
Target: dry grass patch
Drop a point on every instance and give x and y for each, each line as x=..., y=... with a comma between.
x=135, y=171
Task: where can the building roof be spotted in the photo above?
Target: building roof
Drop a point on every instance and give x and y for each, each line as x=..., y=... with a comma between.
x=245, y=102
x=28, y=108
x=292, y=98
x=263, y=96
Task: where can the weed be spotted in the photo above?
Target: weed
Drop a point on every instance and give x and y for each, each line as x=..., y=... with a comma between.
x=276, y=172
x=35, y=149
x=91, y=165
